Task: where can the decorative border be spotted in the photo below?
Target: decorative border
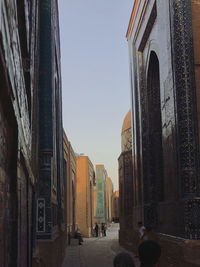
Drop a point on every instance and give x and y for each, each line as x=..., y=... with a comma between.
x=40, y=224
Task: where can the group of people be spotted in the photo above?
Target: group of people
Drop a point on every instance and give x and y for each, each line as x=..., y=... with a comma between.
x=149, y=251
x=101, y=228
x=149, y=254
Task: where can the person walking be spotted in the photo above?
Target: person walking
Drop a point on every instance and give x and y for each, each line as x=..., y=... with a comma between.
x=96, y=229
x=141, y=233
x=104, y=231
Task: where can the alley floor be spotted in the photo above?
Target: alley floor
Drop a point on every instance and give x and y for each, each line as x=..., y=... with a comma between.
x=95, y=252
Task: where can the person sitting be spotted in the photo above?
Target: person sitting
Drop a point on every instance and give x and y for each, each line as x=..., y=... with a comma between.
x=78, y=236
x=123, y=259
x=149, y=253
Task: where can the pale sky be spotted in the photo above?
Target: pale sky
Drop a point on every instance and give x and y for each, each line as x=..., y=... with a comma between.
x=95, y=77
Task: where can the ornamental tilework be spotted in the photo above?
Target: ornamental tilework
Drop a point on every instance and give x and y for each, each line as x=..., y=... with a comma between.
x=183, y=61
x=192, y=215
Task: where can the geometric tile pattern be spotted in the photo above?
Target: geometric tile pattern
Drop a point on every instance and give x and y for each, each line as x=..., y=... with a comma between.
x=192, y=218
x=183, y=63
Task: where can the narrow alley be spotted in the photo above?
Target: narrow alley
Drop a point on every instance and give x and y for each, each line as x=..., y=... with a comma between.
x=96, y=252
x=99, y=131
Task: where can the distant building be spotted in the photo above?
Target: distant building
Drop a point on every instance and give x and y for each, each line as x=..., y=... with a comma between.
x=126, y=182
x=94, y=203
x=101, y=195
x=70, y=187
x=115, y=206
x=84, y=195
x=109, y=199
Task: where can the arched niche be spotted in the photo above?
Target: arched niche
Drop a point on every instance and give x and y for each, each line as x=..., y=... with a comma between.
x=154, y=174
x=155, y=128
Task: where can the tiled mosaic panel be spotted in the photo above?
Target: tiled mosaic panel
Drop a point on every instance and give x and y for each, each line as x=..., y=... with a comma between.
x=45, y=78
x=183, y=60
x=192, y=219
x=41, y=215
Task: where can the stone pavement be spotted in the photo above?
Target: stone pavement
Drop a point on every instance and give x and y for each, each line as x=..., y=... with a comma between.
x=96, y=252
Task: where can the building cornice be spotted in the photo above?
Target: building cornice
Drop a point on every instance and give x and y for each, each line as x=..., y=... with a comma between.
x=131, y=19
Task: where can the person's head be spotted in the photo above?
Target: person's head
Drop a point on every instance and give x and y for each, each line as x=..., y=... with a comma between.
x=149, y=253
x=139, y=224
x=123, y=259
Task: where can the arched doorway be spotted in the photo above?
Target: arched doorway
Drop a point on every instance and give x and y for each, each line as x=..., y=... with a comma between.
x=154, y=135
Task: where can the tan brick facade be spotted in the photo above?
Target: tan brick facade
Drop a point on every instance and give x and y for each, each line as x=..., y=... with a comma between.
x=84, y=192
x=110, y=193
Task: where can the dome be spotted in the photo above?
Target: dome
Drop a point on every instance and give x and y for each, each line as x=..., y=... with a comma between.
x=127, y=122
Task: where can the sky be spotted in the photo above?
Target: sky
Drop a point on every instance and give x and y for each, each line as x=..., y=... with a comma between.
x=95, y=77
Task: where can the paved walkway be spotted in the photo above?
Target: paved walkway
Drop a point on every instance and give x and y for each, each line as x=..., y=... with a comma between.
x=95, y=252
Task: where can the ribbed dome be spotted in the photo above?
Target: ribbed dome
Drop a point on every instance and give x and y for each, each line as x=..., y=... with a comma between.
x=127, y=122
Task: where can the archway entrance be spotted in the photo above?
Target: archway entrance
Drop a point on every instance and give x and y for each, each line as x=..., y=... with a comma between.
x=155, y=151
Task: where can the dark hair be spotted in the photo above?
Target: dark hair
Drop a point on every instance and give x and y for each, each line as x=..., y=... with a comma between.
x=139, y=222
x=123, y=259
x=149, y=252
x=148, y=228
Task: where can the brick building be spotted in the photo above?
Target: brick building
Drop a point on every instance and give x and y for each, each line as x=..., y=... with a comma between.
x=84, y=195
x=18, y=170
x=115, y=206
x=109, y=199
x=70, y=187
x=126, y=183
x=163, y=39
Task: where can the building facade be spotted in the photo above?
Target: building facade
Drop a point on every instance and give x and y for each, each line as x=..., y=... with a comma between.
x=84, y=193
x=164, y=53
x=70, y=188
x=126, y=183
x=18, y=131
x=50, y=194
